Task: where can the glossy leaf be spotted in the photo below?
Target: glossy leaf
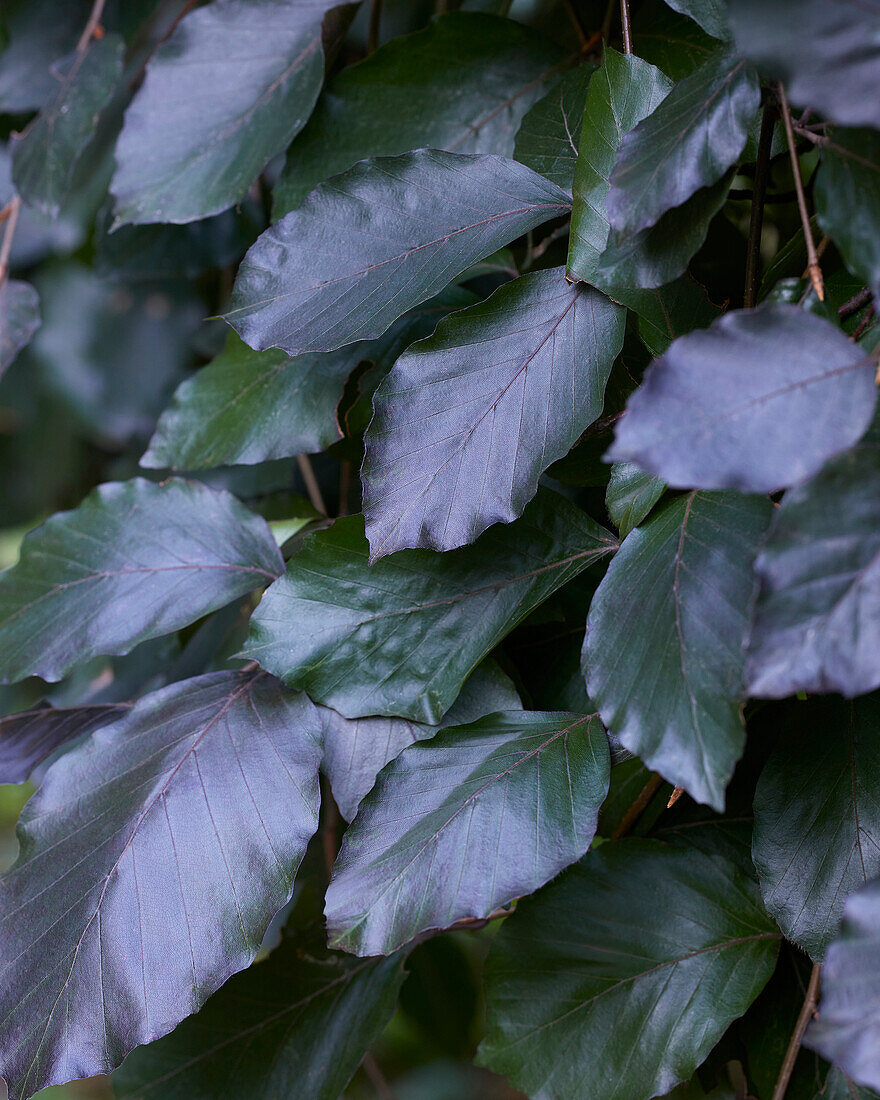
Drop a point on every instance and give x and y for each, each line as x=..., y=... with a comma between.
x=672, y=42
x=465, y=822
x=251, y=406
x=506, y=386
x=664, y=652
x=550, y=133
x=828, y=57
x=667, y=312
x=462, y=84
x=630, y=496
x=228, y=91
x=133, y=561
x=46, y=154
x=847, y=1029
x=180, y=829
x=848, y=200
x=638, y=941
x=756, y=402
x=622, y=92
x=28, y=737
x=817, y=817
x=19, y=318
x=816, y=627
x=295, y=1025
x=374, y=639
x=378, y=240
x=711, y=15
x=688, y=142
x=357, y=749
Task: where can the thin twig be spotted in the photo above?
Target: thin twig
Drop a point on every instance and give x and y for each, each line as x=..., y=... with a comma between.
x=575, y=20
x=312, y=487
x=632, y=815
x=806, y=1013
x=377, y=1078
x=862, y=326
x=854, y=304
x=812, y=256
x=759, y=195
x=91, y=26
x=626, y=27
x=13, y=207
x=375, y=21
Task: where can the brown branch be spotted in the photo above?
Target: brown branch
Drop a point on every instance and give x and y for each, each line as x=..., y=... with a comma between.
x=91, y=29
x=632, y=815
x=312, y=487
x=11, y=210
x=812, y=256
x=807, y=1010
x=854, y=304
x=626, y=26
x=759, y=195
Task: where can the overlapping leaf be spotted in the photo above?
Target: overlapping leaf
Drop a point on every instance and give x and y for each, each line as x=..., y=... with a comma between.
x=229, y=89
x=666, y=312
x=465, y=822
x=296, y=1025
x=617, y=980
x=711, y=15
x=462, y=84
x=631, y=495
x=664, y=652
x=848, y=200
x=467, y=421
x=133, y=561
x=28, y=737
x=688, y=142
x=400, y=637
x=816, y=624
x=817, y=817
x=178, y=831
x=19, y=318
x=550, y=133
x=756, y=402
x=379, y=239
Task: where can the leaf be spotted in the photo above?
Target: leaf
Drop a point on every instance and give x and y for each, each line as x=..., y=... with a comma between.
x=503, y=388
x=838, y=1086
x=28, y=737
x=848, y=200
x=667, y=312
x=379, y=239
x=295, y=1025
x=711, y=15
x=40, y=31
x=847, y=1028
x=550, y=132
x=828, y=57
x=46, y=154
x=617, y=980
x=19, y=318
x=253, y=406
x=630, y=496
x=671, y=691
x=357, y=749
x=672, y=42
x=756, y=402
x=463, y=84
x=375, y=639
x=465, y=822
x=231, y=87
x=815, y=628
x=180, y=829
x=623, y=92
x=688, y=142
x=817, y=817
x=133, y=561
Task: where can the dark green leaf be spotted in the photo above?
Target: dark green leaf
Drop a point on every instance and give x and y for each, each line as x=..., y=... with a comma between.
x=296, y=1025
x=688, y=142
x=630, y=496
x=816, y=627
x=667, y=312
x=465, y=822
x=19, y=318
x=711, y=15
x=229, y=89
x=375, y=639
x=133, y=561
x=817, y=817
x=847, y=1030
x=357, y=749
x=548, y=138
x=672, y=42
x=379, y=239
x=180, y=829
x=462, y=84
x=838, y=1086
x=28, y=737
x=826, y=54
x=46, y=154
x=505, y=387
x=623, y=92
x=616, y=981
x=848, y=200
x=756, y=402
x=665, y=644
x=40, y=31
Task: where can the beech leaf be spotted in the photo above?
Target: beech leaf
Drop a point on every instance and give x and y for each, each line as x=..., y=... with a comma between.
x=28, y=737
x=848, y=200
x=19, y=318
